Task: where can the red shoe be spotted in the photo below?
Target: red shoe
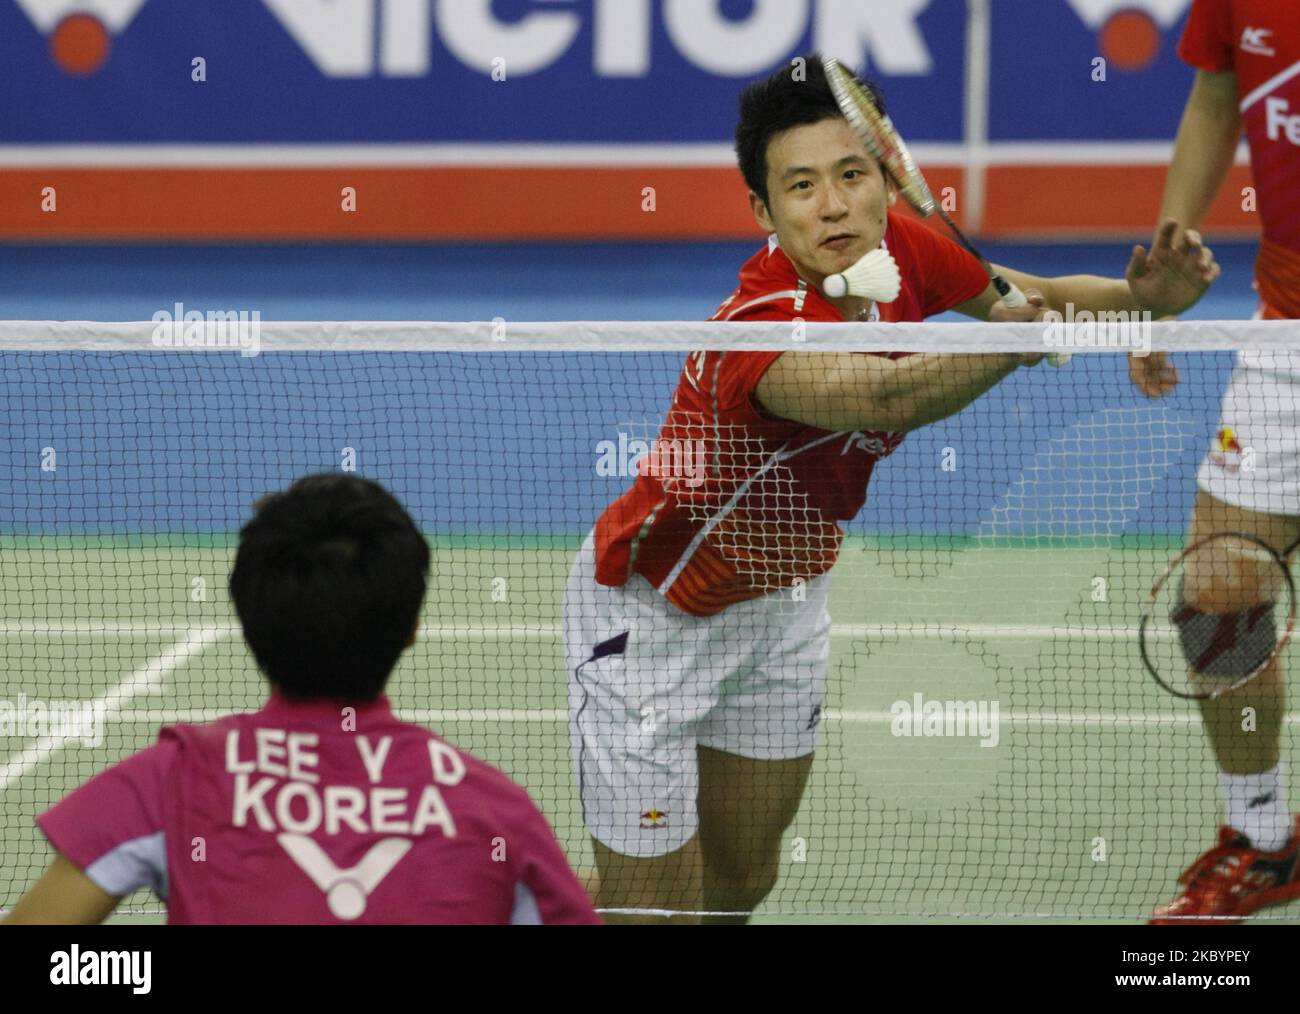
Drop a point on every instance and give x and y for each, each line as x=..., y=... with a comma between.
x=1234, y=879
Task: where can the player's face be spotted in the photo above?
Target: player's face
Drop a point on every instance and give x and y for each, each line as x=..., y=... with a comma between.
x=827, y=198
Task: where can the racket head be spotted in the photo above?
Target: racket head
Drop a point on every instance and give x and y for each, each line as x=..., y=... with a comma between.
x=877, y=133
x=1222, y=611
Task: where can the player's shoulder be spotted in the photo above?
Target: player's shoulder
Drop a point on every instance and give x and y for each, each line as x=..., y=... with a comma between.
x=770, y=289
x=904, y=233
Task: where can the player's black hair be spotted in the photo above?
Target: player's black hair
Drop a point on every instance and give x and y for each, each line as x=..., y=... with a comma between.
x=328, y=583
x=795, y=95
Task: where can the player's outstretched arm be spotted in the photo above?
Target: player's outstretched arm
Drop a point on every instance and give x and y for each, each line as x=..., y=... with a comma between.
x=63, y=896
x=1165, y=281
x=840, y=391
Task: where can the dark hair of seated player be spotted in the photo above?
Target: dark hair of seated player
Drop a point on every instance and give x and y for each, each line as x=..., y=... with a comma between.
x=778, y=103
x=328, y=582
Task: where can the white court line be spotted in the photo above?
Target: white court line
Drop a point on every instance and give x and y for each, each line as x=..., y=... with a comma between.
x=147, y=679
x=547, y=632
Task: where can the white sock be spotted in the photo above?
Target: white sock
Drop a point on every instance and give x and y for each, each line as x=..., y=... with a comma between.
x=1267, y=823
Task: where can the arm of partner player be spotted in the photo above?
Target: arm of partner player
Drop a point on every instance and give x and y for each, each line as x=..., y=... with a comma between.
x=1203, y=154
x=1168, y=280
x=1205, y=149
x=63, y=896
x=838, y=391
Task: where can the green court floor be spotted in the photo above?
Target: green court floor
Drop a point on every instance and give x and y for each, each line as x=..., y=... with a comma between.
x=1098, y=790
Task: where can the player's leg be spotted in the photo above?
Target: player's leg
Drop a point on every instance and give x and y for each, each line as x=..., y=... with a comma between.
x=652, y=884
x=1249, y=482
x=1248, y=751
x=745, y=807
x=642, y=674
x=756, y=746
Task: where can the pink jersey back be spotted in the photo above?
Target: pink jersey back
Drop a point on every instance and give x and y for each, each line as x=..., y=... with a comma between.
x=318, y=813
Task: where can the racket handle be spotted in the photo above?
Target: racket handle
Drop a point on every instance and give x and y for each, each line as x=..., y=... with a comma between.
x=1012, y=296
x=1010, y=292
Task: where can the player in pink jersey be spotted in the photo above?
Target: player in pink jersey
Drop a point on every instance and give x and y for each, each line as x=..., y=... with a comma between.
x=696, y=629
x=1247, y=55
x=323, y=807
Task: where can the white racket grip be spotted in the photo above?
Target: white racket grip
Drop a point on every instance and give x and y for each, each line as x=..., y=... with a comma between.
x=1015, y=297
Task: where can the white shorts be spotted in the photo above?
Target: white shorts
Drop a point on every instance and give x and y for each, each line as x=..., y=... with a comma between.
x=649, y=683
x=1254, y=458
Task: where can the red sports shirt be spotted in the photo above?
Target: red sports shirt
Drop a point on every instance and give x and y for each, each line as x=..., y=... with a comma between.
x=733, y=503
x=1260, y=41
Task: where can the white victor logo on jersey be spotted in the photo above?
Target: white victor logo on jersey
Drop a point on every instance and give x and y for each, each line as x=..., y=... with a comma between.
x=1279, y=121
x=277, y=787
x=1255, y=40
x=345, y=890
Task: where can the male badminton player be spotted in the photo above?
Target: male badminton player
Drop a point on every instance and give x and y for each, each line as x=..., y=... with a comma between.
x=322, y=807
x=1247, y=55
x=696, y=627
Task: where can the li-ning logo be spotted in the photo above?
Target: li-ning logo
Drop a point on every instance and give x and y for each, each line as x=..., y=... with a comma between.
x=1255, y=40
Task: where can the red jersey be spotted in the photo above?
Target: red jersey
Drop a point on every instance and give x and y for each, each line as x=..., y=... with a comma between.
x=318, y=813
x=1260, y=41
x=733, y=503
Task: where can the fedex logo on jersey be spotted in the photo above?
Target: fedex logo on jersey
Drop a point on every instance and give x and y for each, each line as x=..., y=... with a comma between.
x=1281, y=122
x=393, y=38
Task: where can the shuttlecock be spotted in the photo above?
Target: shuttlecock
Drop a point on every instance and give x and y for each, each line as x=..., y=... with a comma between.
x=875, y=277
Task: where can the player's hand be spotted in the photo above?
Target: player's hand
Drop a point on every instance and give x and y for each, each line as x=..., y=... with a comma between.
x=1153, y=374
x=1035, y=309
x=1175, y=274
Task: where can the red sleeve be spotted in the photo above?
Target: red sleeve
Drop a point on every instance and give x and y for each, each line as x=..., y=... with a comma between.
x=739, y=376
x=741, y=371
x=107, y=818
x=942, y=273
x=1207, y=41
x=552, y=893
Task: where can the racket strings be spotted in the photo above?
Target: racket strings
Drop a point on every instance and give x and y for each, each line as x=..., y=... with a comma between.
x=1218, y=617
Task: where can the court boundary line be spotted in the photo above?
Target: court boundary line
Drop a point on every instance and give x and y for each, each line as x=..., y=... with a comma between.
x=148, y=678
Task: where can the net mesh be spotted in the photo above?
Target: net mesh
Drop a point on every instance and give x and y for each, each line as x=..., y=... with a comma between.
x=989, y=744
